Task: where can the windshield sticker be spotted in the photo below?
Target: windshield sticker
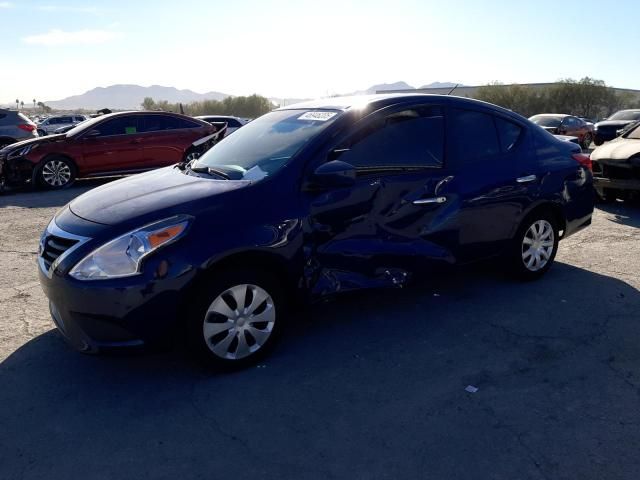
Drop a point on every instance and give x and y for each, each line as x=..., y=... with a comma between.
x=317, y=116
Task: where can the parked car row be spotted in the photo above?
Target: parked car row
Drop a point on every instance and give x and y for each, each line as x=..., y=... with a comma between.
x=307, y=201
x=616, y=166
x=567, y=125
x=53, y=124
x=117, y=143
x=586, y=130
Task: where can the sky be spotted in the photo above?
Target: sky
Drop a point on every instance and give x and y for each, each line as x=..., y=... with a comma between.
x=302, y=49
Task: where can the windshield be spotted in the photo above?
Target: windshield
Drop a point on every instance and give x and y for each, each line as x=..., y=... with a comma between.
x=545, y=121
x=265, y=145
x=85, y=125
x=634, y=132
x=626, y=115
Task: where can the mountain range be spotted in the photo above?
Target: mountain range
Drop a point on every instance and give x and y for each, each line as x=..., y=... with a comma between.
x=129, y=97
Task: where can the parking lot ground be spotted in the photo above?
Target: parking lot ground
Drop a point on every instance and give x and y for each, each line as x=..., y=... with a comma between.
x=367, y=387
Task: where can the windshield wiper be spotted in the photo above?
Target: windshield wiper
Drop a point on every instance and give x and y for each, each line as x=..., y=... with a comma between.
x=211, y=171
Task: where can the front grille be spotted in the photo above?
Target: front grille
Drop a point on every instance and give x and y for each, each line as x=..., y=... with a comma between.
x=54, y=246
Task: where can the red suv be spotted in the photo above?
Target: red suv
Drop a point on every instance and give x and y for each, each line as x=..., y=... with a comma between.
x=117, y=143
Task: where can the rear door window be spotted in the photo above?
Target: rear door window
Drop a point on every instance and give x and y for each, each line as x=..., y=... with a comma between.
x=410, y=138
x=474, y=136
x=159, y=123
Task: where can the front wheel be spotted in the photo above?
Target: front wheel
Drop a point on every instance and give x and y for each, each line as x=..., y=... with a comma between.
x=56, y=173
x=235, y=318
x=535, y=246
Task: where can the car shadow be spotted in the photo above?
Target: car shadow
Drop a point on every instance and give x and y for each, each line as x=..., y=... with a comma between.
x=26, y=197
x=625, y=213
x=362, y=386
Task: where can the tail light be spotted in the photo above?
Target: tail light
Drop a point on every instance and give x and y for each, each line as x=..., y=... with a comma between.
x=26, y=126
x=584, y=160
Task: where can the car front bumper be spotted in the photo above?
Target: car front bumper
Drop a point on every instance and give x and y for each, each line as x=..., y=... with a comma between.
x=100, y=315
x=602, y=183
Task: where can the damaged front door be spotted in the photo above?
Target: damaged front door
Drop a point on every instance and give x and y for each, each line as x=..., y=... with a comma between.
x=395, y=215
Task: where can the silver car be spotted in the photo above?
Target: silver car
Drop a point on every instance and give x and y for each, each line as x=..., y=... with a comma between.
x=15, y=127
x=49, y=125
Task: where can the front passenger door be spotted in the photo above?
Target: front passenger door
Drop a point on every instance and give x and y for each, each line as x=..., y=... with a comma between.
x=394, y=219
x=112, y=145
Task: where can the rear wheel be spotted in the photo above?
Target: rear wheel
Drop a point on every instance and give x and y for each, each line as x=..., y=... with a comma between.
x=236, y=318
x=56, y=173
x=586, y=141
x=535, y=246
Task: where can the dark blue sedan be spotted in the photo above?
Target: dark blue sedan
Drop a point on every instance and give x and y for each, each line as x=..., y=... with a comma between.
x=307, y=201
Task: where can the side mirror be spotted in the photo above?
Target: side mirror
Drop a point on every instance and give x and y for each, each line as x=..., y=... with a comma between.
x=333, y=174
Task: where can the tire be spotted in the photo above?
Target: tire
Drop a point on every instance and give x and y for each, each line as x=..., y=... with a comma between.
x=218, y=321
x=41, y=133
x=55, y=173
x=586, y=141
x=534, y=246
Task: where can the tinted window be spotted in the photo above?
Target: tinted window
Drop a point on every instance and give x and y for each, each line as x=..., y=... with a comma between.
x=118, y=126
x=79, y=119
x=66, y=120
x=233, y=123
x=156, y=123
x=474, y=135
x=626, y=115
x=174, y=123
x=409, y=138
x=53, y=121
x=508, y=133
x=571, y=122
x=546, y=121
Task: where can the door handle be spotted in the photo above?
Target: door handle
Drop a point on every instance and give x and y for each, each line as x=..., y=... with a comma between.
x=428, y=201
x=527, y=179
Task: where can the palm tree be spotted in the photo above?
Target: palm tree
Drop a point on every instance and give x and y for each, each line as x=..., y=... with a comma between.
x=34, y=104
x=22, y=105
x=17, y=104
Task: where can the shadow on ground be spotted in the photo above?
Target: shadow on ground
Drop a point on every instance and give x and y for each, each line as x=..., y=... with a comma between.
x=625, y=213
x=370, y=386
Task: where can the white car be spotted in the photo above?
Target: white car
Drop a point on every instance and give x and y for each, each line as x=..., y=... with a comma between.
x=50, y=124
x=233, y=123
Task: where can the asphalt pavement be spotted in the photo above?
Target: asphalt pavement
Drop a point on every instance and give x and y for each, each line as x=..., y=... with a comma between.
x=370, y=386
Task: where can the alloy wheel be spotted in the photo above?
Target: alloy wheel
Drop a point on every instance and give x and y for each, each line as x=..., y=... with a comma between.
x=239, y=321
x=537, y=245
x=56, y=173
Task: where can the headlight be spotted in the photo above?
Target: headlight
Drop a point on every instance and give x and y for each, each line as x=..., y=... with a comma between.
x=123, y=256
x=21, y=152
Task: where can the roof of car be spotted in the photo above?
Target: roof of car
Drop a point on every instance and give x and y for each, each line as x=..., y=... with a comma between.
x=382, y=99
x=553, y=115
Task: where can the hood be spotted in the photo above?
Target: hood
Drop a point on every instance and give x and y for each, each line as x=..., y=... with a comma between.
x=614, y=123
x=160, y=193
x=618, y=149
